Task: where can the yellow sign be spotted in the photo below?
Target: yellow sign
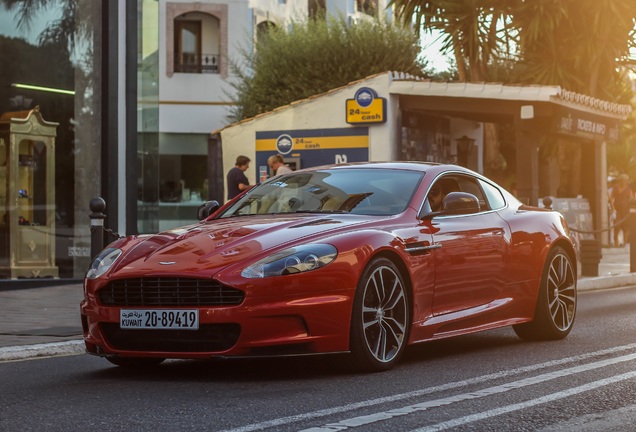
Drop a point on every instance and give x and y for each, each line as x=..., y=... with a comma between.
x=366, y=107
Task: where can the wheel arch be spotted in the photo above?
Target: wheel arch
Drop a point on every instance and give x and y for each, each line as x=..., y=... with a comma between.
x=569, y=249
x=396, y=259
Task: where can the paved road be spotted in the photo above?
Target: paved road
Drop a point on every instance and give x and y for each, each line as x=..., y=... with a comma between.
x=45, y=321
x=490, y=381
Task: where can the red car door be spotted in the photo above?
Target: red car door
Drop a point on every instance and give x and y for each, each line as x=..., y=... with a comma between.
x=468, y=260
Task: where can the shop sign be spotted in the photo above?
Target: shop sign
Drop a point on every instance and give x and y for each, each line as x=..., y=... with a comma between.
x=312, y=147
x=586, y=125
x=366, y=107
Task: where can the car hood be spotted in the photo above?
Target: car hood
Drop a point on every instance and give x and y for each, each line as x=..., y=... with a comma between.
x=208, y=247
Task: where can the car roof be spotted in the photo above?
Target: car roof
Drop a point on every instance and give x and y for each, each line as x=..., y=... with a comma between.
x=402, y=165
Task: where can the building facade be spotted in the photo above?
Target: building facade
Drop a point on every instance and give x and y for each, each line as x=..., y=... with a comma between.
x=130, y=91
x=391, y=116
x=199, y=42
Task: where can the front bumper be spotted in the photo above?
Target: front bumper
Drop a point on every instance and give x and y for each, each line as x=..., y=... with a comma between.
x=314, y=321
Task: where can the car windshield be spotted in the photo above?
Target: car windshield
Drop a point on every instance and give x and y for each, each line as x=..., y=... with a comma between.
x=364, y=191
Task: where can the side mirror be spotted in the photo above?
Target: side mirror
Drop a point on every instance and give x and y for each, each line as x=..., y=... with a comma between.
x=457, y=203
x=207, y=208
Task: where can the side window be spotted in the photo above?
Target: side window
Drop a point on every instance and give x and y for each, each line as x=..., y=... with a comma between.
x=470, y=185
x=495, y=199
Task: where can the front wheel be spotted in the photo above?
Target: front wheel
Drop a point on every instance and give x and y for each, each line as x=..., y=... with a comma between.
x=556, y=303
x=380, y=318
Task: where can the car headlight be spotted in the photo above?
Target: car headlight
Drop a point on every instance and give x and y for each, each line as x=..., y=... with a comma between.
x=103, y=262
x=293, y=260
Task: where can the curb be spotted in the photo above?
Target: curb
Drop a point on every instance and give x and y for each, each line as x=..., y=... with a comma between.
x=42, y=350
x=605, y=282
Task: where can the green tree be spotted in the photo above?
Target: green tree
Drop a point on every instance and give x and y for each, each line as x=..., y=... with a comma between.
x=584, y=46
x=315, y=56
x=580, y=45
x=472, y=31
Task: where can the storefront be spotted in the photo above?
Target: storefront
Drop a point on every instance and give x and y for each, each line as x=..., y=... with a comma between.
x=50, y=138
x=395, y=117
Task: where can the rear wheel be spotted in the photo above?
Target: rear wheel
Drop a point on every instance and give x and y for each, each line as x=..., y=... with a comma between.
x=380, y=317
x=556, y=303
x=135, y=362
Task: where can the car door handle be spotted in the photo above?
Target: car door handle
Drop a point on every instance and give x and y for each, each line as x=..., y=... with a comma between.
x=415, y=248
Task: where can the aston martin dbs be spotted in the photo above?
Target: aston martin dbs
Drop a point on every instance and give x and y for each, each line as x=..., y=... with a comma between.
x=363, y=259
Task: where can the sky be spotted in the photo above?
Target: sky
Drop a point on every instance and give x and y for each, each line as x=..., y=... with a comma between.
x=431, y=52
x=7, y=25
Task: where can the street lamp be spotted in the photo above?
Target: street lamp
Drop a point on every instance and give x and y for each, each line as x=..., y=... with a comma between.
x=464, y=148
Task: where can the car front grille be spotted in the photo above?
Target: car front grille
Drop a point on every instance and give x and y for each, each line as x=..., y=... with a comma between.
x=208, y=338
x=169, y=292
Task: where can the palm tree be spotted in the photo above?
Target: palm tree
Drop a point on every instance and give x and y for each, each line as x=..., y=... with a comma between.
x=65, y=31
x=556, y=45
x=473, y=31
x=550, y=41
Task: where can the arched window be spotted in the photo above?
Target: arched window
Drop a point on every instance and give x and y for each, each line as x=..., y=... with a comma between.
x=196, y=38
x=263, y=27
x=196, y=43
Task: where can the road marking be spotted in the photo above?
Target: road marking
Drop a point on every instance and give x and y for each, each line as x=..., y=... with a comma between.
x=436, y=403
x=417, y=393
x=519, y=406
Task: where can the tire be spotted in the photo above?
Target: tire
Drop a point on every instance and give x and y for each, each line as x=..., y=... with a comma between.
x=135, y=362
x=380, y=319
x=556, y=302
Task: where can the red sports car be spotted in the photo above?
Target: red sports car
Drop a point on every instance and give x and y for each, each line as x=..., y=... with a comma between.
x=360, y=258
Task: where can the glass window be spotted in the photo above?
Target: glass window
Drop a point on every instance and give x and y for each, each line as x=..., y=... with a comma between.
x=187, y=46
x=360, y=191
x=197, y=43
x=54, y=66
x=495, y=198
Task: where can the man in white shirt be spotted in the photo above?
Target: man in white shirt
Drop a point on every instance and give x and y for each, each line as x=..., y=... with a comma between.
x=277, y=165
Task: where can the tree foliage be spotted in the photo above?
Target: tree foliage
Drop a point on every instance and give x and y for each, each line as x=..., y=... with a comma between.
x=314, y=56
x=472, y=31
x=586, y=46
x=581, y=45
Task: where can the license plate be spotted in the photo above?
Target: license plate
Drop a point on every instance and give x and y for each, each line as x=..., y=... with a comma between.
x=182, y=319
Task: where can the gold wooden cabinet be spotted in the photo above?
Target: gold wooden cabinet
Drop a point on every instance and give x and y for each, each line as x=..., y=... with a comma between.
x=27, y=195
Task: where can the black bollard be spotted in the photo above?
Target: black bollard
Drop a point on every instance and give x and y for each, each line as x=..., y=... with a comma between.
x=98, y=207
x=547, y=203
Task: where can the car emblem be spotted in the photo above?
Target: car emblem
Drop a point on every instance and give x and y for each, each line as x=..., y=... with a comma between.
x=167, y=262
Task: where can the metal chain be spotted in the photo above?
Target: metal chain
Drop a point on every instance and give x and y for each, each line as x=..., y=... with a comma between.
x=616, y=224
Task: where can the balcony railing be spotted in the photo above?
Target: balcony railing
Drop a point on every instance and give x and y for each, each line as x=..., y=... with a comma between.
x=196, y=63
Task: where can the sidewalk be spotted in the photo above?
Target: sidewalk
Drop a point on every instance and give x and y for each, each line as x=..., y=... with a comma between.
x=46, y=321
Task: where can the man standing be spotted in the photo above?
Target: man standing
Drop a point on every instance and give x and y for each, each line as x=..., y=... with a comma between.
x=237, y=182
x=277, y=164
x=621, y=196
